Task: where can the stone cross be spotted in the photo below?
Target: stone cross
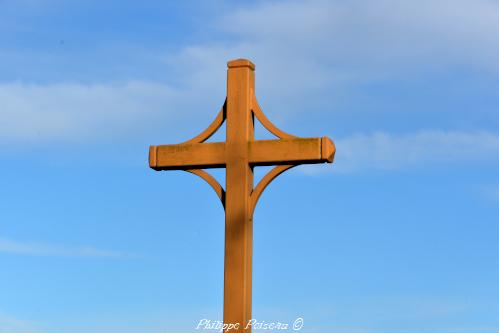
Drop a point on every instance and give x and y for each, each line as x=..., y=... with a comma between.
x=239, y=154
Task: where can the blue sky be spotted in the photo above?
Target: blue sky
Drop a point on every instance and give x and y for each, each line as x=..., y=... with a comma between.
x=399, y=235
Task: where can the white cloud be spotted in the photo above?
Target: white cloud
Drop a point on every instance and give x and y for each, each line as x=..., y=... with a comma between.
x=302, y=48
x=370, y=36
x=387, y=151
x=38, y=249
x=77, y=112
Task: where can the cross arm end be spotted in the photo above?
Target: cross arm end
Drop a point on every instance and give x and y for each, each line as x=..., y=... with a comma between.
x=328, y=149
x=153, y=160
x=291, y=151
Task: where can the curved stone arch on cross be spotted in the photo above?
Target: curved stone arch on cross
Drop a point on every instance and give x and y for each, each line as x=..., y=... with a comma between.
x=327, y=151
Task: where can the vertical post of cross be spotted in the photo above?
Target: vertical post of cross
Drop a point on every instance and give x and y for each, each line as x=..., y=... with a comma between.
x=239, y=184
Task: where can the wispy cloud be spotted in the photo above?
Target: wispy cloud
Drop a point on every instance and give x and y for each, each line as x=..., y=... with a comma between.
x=40, y=249
x=491, y=192
x=77, y=112
x=382, y=34
x=10, y=324
x=385, y=151
x=313, y=45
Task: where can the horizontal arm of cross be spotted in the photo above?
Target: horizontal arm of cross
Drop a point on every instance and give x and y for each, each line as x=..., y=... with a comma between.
x=262, y=152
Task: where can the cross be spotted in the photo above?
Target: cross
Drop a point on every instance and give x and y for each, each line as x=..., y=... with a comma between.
x=239, y=154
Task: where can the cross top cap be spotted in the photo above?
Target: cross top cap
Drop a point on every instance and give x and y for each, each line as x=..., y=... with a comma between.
x=241, y=63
